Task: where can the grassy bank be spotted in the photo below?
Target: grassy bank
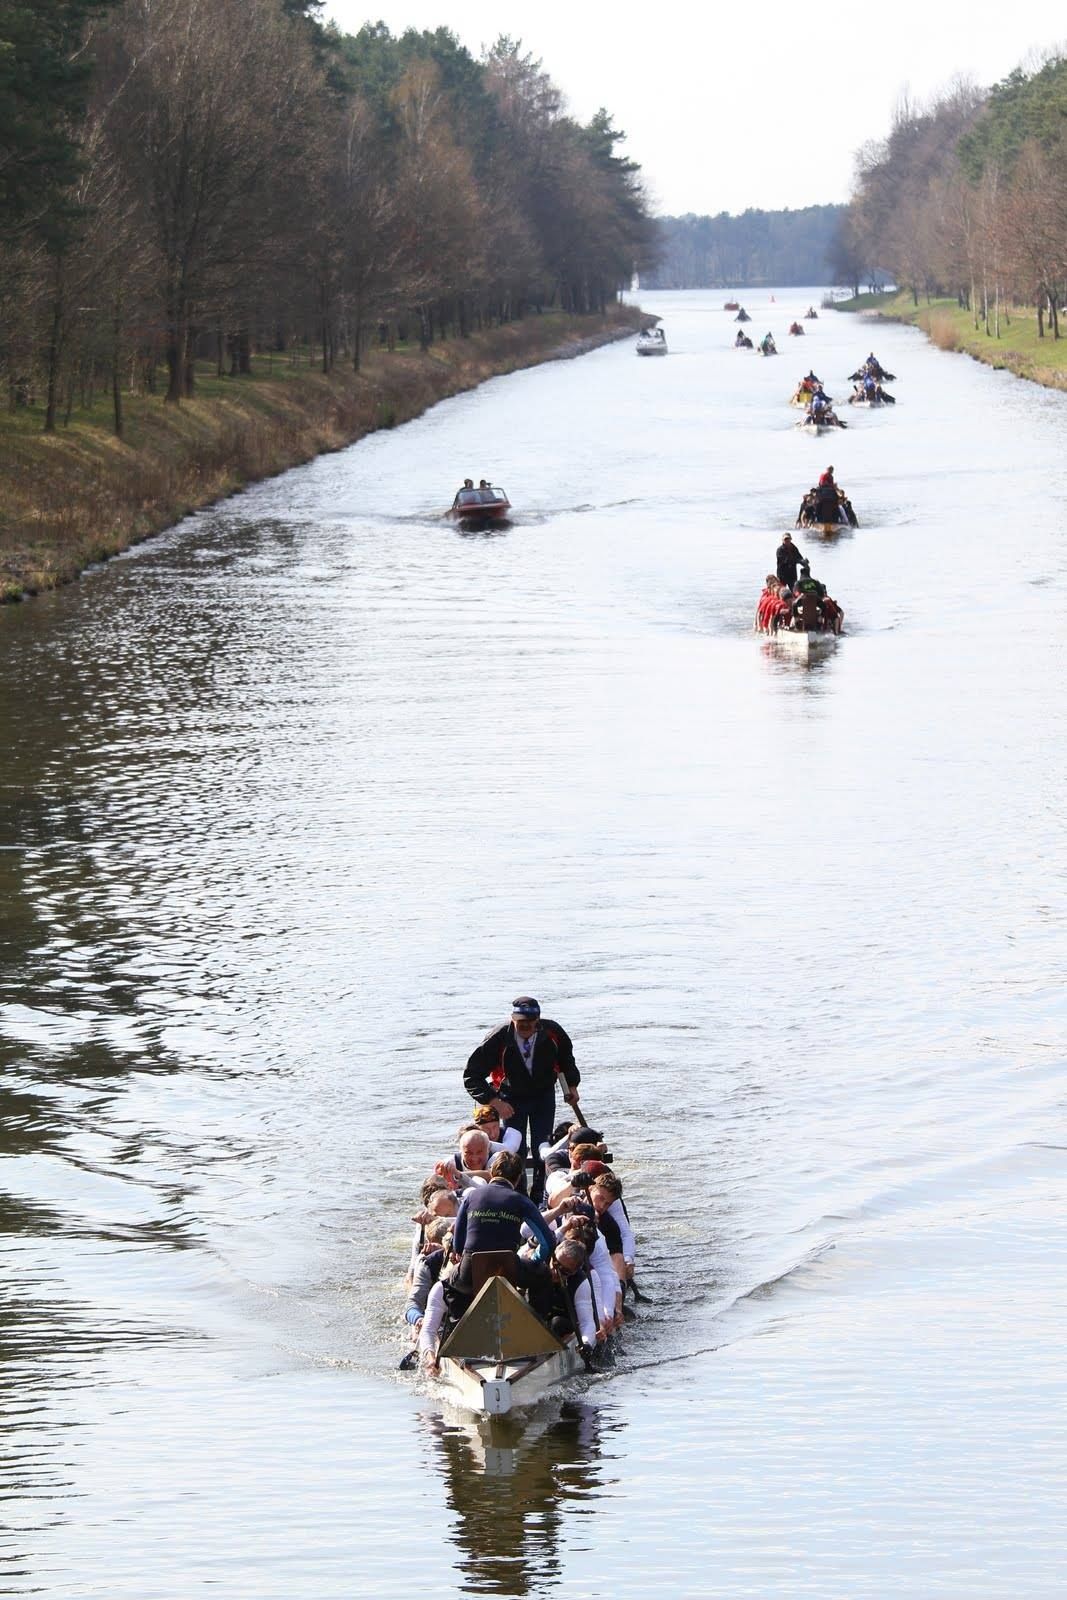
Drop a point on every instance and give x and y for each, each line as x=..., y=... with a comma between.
x=1018, y=349
x=80, y=495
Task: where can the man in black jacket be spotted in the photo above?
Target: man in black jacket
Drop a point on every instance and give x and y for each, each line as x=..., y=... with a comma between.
x=788, y=558
x=515, y=1068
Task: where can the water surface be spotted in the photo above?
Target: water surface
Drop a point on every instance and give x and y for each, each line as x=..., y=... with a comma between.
x=297, y=796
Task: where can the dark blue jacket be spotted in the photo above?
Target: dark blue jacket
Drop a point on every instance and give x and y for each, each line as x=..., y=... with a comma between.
x=491, y=1216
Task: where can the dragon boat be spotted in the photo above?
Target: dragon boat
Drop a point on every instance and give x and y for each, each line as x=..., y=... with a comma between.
x=500, y=1355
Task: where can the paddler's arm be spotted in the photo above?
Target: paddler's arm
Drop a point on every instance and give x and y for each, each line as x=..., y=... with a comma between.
x=565, y=1052
x=459, y=1230
x=480, y=1064
x=531, y=1215
x=476, y=1075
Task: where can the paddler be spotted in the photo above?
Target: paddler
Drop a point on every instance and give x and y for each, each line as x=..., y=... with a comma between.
x=490, y=1218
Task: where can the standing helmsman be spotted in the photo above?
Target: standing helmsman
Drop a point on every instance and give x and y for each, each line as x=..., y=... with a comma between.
x=788, y=559
x=515, y=1069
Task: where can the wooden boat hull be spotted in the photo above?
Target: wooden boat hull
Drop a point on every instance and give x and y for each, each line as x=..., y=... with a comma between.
x=491, y=1388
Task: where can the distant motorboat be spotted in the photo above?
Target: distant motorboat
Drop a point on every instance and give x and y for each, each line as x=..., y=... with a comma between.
x=653, y=342
x=485, y=505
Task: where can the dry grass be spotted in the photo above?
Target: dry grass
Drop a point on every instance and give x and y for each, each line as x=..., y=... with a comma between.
x=1018, y=348
x=80, y=495
x=942, y=330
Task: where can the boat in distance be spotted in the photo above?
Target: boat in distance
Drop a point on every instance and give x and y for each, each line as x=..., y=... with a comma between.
x=501, y=1356
x=488, y=504
x=653, y=342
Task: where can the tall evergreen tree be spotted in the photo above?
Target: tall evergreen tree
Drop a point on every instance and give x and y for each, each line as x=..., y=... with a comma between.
x=45, y=70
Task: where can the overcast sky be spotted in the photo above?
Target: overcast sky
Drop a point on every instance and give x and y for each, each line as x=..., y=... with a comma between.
x=711, y=97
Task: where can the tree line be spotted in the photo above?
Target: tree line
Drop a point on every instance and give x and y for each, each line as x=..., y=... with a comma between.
x=757, y=247
x=967, y=196
x=192, y=179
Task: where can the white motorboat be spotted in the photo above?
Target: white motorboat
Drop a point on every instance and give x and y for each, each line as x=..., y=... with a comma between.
x=653, y=342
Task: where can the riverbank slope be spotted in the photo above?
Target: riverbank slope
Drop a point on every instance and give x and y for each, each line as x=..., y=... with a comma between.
x=1017, y=349
x=80, y=495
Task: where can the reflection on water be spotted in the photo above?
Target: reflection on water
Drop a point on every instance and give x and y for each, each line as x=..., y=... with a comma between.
x=297, y=798
x=511, y=1483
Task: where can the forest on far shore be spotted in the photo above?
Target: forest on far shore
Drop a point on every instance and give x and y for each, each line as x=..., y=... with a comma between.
x=967, y=197
x=758, y=247
x=196, y=180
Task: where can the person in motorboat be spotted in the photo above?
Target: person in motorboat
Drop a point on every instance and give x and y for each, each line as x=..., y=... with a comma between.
x=811, y=312
x=827, y=477
x=515, y=1068
x=742, y=342
x=767, y=345
x=795, y=328
x=787, y=559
